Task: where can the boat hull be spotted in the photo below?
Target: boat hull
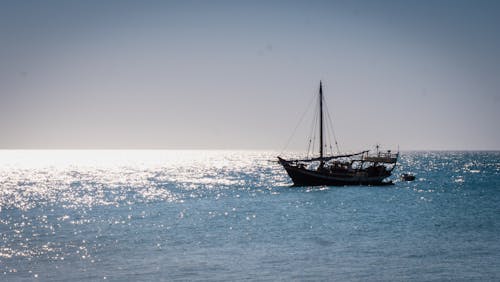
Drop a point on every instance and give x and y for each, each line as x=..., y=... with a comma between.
x=305, y=177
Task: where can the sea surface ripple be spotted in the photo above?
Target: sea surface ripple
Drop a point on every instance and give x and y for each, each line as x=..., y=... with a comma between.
x=233, y=215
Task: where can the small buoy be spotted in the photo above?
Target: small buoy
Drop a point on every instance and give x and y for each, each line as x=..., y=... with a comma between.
x=407, y=177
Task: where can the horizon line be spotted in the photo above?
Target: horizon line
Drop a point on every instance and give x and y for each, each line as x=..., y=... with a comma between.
x=228, y=149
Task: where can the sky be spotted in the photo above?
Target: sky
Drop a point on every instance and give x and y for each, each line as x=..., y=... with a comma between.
x=421, y=75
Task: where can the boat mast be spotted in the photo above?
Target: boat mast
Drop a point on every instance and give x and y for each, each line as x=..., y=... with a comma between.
x=320, y=124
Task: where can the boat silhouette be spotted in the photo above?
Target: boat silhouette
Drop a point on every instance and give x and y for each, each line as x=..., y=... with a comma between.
x=362, y=168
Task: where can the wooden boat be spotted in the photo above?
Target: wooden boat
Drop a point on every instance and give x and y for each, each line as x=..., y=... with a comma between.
x=360, y=168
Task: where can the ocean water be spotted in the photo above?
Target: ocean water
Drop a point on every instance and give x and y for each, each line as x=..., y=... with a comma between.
x=232, y=215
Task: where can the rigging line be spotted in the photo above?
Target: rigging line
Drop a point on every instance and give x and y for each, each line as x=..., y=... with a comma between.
x=308, y=148
x=333, y=131
x=313, y=132
x=297, y=126
x=327, y=139
x=310, y=136
x=331, y=141
x=314, y=146
x=328, y=144
x=313, y=129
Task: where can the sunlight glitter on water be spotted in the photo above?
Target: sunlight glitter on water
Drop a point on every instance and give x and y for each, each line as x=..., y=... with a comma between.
x=177, y=215
x=86, y=178
x=36, y=185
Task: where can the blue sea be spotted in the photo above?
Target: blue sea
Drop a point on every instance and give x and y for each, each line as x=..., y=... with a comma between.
x=233, y=215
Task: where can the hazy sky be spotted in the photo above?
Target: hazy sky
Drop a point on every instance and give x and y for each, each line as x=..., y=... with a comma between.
x=238, y=74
